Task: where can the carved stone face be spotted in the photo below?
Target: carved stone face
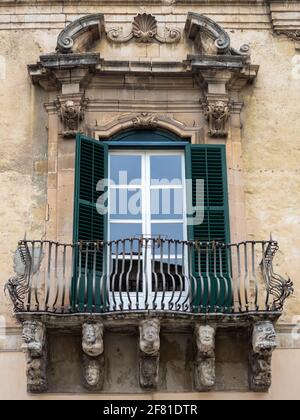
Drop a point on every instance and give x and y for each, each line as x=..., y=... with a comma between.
x=264, y=337
x=92, y=373
x=149, y=336
x=29, y=331
x=219, y=108
x=89, y=333
x=92, y=338
x=70, y=107
x=33, y=332
x=206, y=372
x=205, y=339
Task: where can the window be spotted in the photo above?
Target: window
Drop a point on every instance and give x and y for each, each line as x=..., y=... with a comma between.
x=146, y=197
x=146, y=191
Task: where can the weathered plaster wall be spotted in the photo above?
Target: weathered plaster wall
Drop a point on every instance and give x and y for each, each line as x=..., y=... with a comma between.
x=270, y=143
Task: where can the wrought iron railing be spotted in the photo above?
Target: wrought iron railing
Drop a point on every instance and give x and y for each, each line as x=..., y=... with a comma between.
x=139, y=274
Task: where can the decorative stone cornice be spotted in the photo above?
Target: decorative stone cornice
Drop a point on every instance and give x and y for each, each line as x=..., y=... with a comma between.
x=145, y=30
x=75, y=40
x=80, y=34
x=285, y=19
x=197, y=26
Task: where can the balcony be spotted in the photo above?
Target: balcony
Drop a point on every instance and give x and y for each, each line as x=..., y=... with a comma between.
x=148, y=275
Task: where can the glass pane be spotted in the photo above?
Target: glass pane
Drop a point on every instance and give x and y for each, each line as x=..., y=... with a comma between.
x=125, y=169
x=125, y=203
x=166, y=203
x=167, y=230
x=119, y=231
x=165, y=170
x=125, y=230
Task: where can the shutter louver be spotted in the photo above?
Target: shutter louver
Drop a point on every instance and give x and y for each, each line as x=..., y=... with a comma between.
x=89, y=225
x=208, y=163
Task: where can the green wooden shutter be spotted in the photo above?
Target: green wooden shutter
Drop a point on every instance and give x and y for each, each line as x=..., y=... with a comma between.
x=208, y=163
x=91, y=167
x=89, y=225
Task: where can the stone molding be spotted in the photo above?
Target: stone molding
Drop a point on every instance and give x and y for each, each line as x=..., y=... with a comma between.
x=144, y=30
x=285, y=19
x=149, y=120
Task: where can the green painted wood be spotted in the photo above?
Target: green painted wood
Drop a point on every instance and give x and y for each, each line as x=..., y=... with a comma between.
x=208, y=163
x=91, y=167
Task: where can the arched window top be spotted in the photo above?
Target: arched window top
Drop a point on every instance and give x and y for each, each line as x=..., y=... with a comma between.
x=146, y=137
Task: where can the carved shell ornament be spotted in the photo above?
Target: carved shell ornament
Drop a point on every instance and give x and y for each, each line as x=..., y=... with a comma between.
x=144, y=29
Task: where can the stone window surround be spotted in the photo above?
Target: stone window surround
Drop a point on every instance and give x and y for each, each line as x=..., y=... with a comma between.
x=220, y=78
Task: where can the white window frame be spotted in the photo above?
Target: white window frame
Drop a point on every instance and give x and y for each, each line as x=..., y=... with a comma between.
x=146, y=219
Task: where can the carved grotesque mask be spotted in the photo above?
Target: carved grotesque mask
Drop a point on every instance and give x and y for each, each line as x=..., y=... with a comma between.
x=205, y=338
x=264, y=337
x=29, y=332
x=149, y=336
x=70, y=108
x=89, y=333
x=92, y=339
x=219, y=108
x=92, y=373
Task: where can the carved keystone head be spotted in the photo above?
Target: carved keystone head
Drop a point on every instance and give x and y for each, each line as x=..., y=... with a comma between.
x=264, y=337
x=205, y=339
x=149, y=336
x=92, y=338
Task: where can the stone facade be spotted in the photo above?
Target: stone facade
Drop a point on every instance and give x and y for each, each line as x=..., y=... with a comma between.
x=255, y=114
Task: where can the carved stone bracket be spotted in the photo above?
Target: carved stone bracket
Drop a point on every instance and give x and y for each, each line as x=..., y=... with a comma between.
x=149, y=346
x=93, y=357
x=263, y=345
x=205, y=376
x=217, y=114
x=144, y=29
x=35, y=347
x=71, y=109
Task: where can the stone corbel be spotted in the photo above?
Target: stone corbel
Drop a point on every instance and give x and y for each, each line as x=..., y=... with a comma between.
x=35, y=347
x=205, y=375
x=262, y=346
x=71, y=110
x=93, y=356
x=149, y=346
x=217, y=113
